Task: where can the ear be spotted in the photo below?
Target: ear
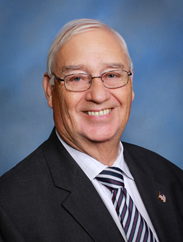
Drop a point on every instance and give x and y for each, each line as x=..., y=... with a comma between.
x=48, y=89
x=133, y=94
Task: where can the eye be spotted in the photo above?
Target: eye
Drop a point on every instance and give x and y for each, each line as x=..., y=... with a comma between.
x=77, y=78
x=111, y=75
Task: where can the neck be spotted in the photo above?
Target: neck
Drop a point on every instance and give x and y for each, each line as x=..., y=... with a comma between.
x=105, y=152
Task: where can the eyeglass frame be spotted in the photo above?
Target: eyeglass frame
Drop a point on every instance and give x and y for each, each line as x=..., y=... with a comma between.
x=63, y=80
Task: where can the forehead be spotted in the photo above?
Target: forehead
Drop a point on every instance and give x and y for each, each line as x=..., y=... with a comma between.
x=96, y=46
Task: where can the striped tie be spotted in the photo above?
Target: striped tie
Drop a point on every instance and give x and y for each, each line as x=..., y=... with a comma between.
x=135, y=227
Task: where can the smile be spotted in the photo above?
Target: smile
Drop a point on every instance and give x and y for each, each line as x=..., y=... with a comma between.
x=99, y=113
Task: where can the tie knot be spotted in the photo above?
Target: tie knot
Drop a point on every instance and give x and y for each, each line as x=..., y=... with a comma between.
x=111, y=177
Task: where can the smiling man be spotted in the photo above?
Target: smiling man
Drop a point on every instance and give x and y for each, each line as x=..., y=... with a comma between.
x=89, y=116
x=83, y=184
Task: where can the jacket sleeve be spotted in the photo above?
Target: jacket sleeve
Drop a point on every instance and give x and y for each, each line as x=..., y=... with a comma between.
x=8, y=230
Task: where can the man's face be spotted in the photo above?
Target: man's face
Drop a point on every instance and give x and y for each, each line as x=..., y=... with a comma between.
x=97, y=114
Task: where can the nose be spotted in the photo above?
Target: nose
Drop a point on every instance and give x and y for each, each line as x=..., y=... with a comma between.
x=97, y=92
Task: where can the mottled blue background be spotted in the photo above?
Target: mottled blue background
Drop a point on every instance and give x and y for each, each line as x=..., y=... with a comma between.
x=153, y=31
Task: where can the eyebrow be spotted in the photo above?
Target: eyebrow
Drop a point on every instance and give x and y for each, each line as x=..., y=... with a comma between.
x=113, y=65
x=69, y=68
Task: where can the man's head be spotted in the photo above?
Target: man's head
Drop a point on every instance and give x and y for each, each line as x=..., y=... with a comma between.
x=73, y=28
x=98, y=114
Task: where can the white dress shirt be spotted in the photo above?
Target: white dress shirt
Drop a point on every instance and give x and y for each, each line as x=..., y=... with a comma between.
x=92, y=168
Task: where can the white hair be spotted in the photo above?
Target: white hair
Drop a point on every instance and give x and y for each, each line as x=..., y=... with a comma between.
x=76, y=27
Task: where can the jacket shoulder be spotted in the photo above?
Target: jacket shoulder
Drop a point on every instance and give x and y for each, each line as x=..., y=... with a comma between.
x=150, y=160
x=25, y=171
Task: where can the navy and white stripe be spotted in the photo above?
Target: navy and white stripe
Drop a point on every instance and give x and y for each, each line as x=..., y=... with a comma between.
x=135, y=227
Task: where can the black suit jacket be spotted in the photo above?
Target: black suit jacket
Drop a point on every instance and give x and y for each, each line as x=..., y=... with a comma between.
x=48, y=198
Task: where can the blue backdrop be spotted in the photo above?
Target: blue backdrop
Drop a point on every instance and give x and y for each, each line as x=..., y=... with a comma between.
x=153, y=31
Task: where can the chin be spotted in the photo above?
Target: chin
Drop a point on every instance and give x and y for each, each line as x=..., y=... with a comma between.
x=97, y=137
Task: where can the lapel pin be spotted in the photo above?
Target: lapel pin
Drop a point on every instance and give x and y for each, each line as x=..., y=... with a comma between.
x=162, y=197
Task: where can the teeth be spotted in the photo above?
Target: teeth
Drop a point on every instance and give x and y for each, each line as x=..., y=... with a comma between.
x=100, y=113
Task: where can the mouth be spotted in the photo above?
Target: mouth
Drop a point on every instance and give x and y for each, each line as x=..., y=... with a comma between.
x=99, y=113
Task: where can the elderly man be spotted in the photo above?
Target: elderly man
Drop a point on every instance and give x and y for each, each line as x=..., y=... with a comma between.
x=83, y=184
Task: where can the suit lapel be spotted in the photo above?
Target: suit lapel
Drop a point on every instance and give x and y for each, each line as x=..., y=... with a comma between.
x=82, y=200
x=86, y=206
x=149, y=187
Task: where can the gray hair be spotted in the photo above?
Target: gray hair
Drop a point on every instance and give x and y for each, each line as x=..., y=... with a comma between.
x=76, y=27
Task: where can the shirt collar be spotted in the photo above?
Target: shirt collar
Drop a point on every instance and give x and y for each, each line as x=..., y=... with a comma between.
x=91, y=166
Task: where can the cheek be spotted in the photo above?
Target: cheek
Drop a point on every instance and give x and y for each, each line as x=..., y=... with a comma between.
x=123, y=96
x=58, y=101
x=69, y=103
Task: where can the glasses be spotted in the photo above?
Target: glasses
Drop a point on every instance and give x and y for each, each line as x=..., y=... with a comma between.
x=81, y=81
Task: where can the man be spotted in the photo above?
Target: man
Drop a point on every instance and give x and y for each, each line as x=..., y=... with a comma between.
x=60, y=192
